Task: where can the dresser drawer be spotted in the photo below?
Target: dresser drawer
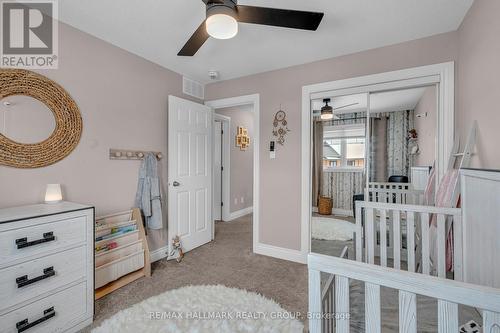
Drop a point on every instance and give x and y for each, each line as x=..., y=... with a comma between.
x=55, y=313
x=24, y=281
x=40, y=239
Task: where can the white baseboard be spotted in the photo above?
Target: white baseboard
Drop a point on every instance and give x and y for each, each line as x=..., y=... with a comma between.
x=280, y=253
x=240, y=213
x=158, y=254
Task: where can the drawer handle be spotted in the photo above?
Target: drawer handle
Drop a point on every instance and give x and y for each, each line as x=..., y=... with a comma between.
x=23, y=242
x=23, y=281
x=24, y=325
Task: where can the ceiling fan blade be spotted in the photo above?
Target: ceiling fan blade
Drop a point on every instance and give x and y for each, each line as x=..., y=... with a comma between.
x=194, y=43
x=345, y=106
x=286, y=18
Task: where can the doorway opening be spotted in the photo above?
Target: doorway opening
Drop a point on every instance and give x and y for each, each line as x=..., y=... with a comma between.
x=236, y=184
x=233, y=162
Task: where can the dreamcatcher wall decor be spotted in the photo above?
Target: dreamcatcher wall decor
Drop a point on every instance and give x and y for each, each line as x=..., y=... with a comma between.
x=280, y=126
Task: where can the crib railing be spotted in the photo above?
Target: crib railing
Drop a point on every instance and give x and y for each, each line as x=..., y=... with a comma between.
x=379, y=233
x=448, y=293
x=327, y=297
x=400, y=193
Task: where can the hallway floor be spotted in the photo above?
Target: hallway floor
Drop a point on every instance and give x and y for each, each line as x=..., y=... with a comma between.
x=228, y=261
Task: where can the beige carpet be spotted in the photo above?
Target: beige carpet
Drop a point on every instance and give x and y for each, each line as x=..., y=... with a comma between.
x=228, y=261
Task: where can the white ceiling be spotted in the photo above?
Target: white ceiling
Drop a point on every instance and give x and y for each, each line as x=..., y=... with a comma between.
x=157, y=29
x=390, y=101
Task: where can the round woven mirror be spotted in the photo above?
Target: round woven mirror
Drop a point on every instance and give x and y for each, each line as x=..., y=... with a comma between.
x=68, y=121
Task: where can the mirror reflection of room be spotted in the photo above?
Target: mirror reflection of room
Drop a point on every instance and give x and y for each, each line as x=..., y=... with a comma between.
x=396, y=150
x=339, y=155
x=402, y=144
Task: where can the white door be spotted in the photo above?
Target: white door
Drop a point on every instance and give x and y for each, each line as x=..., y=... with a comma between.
x=217, y=170
x=189, y=172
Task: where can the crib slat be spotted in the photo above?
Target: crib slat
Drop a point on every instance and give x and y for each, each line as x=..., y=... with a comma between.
x=342, y=303
x=372, y=308
x=441, y=245
x=397, y=239
x=383, y=197
x=410, y=240
x=359, y=234
x=447, y=317
x=331, y=299
x=491, y=321
x=425, y=243
x=315, y=301
x=407, y=312
x=457, y=248
x=370, y=236
x=383, y=237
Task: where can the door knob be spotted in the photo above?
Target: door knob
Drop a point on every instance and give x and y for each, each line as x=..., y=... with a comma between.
x=176, y=183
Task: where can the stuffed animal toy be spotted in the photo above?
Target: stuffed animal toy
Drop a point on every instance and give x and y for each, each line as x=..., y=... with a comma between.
x=177, y=249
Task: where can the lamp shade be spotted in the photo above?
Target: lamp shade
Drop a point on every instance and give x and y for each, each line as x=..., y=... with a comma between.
x=221, y=22
x=53, y=193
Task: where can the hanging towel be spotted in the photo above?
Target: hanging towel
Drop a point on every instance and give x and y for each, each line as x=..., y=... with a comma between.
x=148, y=196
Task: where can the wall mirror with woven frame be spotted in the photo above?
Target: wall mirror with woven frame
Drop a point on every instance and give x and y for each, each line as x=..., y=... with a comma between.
x=25, y=97
x=25, y=119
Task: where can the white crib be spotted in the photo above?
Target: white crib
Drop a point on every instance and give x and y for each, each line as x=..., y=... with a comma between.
x=448, y=293
x=425, y=249
x=400, y=193
x=419, y=268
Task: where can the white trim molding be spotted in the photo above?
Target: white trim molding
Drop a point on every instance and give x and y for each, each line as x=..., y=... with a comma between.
x=442, y=75
x=255, y=101
x=280, y=253
x=240, y=213
x=159, y=254
x=226, y=163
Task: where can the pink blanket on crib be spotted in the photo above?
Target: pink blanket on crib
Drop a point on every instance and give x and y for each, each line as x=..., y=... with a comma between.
x=444, y=198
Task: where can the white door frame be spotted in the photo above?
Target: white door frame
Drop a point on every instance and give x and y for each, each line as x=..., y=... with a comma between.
x=441, y=74
x=255, y=101
x=226, y=162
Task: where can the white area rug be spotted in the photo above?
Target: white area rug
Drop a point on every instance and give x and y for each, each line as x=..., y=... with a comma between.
x=325, y=228
x=203, y=309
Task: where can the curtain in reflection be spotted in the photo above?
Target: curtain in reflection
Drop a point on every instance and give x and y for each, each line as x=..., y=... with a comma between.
x=317, y=165
x=378, y=149
x=389, y=155
x=398, y=126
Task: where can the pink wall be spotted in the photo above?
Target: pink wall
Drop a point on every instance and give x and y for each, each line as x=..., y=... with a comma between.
x=426, y=127
x=123, y=102
x=241, y=161
x=280, y=186
x=479, y=79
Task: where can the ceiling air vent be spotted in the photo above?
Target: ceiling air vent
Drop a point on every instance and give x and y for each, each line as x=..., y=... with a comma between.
x=193, y=88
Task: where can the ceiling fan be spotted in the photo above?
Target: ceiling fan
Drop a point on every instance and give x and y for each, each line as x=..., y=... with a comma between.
x=223, y=17
x=326, y=111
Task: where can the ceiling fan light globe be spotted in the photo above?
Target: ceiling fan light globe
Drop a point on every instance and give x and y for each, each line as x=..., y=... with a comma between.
x=222, y=26
x=326, y=116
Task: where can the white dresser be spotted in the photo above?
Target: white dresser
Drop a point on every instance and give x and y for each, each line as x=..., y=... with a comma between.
x=46, y=268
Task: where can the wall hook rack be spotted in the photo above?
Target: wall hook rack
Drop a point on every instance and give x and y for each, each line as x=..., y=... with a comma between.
x=121, y=154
